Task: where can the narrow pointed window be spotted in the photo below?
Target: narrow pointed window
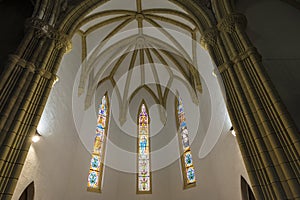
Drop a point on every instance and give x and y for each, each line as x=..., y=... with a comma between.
x=187, y=165
x=144, y=173
x=97, y=160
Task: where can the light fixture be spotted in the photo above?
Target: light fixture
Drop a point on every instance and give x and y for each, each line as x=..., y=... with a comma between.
x=214, y=73
x=232, y=131
x=36, y=137
x=55, y=80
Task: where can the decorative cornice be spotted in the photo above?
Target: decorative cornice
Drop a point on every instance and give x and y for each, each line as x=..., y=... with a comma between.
x=43, y=29
x=231, y=22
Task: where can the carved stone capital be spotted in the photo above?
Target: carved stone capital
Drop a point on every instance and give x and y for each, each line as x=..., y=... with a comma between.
x=231, y=22
x=209, y=37
x=43, y=29
x=61, y=40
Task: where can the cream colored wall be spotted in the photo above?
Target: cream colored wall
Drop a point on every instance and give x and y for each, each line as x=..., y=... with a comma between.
x=59, y=163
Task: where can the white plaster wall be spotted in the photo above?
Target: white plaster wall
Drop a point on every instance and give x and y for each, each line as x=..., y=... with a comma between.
x=59, y=163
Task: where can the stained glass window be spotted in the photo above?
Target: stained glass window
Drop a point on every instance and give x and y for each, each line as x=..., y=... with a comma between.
x=144, y=174
x=96, y=164
x=187, y=166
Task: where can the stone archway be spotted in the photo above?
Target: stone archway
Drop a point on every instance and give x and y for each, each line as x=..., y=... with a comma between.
x=268, y=138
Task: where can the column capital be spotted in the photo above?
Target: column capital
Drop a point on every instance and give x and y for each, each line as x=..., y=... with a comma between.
x=61, y=41
x=232, y=21
x=45, y=30
x=209, y=37
x=40, y=26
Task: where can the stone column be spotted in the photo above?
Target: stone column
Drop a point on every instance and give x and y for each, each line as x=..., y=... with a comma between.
x=24, y=88
x=267, y=136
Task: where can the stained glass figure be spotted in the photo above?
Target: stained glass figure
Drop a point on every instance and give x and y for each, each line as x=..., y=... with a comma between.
x=144, y=174
x=96, y=164
x=188, y=170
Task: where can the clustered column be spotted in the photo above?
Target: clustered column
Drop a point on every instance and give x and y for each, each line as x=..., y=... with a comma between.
x=24, y=89
x=267, y=136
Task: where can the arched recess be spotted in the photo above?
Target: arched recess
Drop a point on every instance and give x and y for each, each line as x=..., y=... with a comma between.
x=28, y=193
x=246, y=191
x=144, y=174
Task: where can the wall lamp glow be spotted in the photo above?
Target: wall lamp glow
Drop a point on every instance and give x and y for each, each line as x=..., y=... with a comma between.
x=55, y=81
x=36, y=137
x=232, y=131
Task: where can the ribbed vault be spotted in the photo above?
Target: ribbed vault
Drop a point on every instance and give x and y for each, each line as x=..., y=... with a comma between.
x=138, y=41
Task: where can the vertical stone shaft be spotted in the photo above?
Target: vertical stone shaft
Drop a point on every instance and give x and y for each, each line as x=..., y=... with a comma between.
x=267, y=135
x=28, y=80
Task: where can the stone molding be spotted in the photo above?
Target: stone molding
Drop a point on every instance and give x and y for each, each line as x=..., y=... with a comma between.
x=45, y=30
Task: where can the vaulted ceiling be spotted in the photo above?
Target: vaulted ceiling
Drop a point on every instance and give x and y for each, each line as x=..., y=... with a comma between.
x=144, y=45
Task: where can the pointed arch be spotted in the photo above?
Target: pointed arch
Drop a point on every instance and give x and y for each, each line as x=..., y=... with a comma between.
x=98, y=153
x=28, y=193
x=187, y=166
x=144, y=176
x=246, y=191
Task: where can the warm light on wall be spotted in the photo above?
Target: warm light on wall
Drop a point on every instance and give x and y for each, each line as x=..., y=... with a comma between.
x=36, y=137
x=214, y=73
x=55, y=81
x=232, y=131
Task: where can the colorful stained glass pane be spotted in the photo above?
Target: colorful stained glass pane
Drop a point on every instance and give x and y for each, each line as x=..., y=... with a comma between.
x=187, y=161
x=93, y=179
x=97, y=145
x=144, y=176
x=95, y=162
x=144, y=167
x=143, y=156
x=185, y=139
x=144, y=151
x=143, y=140
x=144, y=184
x=95, y=174
x=183, y=125
x=191, y=175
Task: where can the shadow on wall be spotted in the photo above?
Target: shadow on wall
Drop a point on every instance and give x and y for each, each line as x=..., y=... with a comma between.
x=13, y=14
x=273, y=27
